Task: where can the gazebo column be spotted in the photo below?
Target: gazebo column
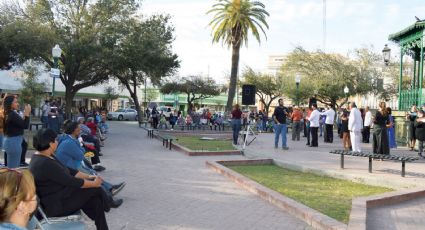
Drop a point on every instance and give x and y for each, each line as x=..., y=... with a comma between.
x=414, y=81
x=400, y=97
x=421, y=70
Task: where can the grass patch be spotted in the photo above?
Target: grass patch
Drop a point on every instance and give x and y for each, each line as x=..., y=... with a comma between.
x=194, y=143
x=327, y=195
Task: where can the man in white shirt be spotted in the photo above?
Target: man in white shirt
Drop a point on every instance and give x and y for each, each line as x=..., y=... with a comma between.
x=367, y=124
x=355, y=125
x=329, y=124
x=314, y=125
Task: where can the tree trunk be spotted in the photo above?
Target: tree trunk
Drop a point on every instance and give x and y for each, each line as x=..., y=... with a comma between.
x=69, y=96
x=189, y=104
x=233, y=76
x=139, y=111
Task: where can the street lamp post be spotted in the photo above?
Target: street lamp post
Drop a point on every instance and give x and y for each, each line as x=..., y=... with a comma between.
x=297, y=83
x=56, y=53
x=386, y=53
x=346, y=91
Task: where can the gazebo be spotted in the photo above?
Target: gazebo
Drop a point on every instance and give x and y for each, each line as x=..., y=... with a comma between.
x=411, y=42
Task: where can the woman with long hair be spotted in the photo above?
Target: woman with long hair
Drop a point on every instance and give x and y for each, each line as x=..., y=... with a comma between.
x=380, y=133
x=17, y=198
x=344, y=130
x=14, y=126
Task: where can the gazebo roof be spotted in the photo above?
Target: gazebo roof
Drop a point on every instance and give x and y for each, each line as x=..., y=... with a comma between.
x=407, y=32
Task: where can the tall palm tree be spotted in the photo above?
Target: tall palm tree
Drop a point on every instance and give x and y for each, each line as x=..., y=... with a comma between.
x=232, y=21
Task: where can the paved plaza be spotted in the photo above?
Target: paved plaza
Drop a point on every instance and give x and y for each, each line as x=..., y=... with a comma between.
x=169, y=190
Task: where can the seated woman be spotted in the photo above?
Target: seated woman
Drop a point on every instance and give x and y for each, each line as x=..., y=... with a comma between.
x=87, y=137
x=62, y=190
x=17, y=198
x=70, y=153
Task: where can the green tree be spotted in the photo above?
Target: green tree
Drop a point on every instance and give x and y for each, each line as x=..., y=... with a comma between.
x=325, y=75
x=33, y=90
x=151, y=94
x=231, y=23
x=194, y=87
x=268, y=87
x=85, y=30
x=110, y=95
x=144, y=51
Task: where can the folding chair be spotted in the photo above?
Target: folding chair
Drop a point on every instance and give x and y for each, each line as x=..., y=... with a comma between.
x=71, y=222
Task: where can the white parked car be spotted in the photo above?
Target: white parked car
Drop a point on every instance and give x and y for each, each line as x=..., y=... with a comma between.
x=123, y=114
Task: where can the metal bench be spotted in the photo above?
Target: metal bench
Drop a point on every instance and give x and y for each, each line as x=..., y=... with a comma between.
x=372, y=156
x=167, y=140
x=149, y=131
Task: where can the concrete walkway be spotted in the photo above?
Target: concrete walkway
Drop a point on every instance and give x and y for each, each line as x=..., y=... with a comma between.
x=169, y=190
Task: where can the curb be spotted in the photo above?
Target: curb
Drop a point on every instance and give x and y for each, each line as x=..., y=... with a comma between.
x=205, y=153
x=312, y=217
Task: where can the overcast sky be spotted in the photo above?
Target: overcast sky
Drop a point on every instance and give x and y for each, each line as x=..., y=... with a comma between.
x=350, y=24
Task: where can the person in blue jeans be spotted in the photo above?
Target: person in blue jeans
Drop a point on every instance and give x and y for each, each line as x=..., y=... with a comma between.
x=236, y=122
x=279, y=116
x=14, y=126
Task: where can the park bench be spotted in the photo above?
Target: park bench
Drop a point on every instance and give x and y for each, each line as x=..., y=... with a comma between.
x=149, y=131
x=371, y=156
x=167, y=140
x=143, y=123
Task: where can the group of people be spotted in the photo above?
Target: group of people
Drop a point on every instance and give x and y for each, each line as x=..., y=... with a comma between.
x=62, y=177
x=353, y=124
x=416, y=128
x=169, y=118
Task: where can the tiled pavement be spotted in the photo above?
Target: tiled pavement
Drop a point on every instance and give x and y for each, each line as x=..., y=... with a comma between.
x=169, y=190
x=406, y=216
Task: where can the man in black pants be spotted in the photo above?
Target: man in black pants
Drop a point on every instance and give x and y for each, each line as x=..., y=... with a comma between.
x=314, y=125
x=329, y=124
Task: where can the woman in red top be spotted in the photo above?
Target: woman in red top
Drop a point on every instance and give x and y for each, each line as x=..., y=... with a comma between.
x=236, y=122
x=93, y=127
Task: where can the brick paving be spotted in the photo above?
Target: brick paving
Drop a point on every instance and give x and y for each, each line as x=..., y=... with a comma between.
x=403, y=216
x=169, y=190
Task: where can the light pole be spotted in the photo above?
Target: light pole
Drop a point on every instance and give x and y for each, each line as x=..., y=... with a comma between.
x=297, y=83
x=346, y=91
x=56, y=53
x=386, y=53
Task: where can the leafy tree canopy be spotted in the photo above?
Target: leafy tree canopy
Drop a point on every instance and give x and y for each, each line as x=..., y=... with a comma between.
x=85, y=31
x=194, y=87
x=268, y=87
